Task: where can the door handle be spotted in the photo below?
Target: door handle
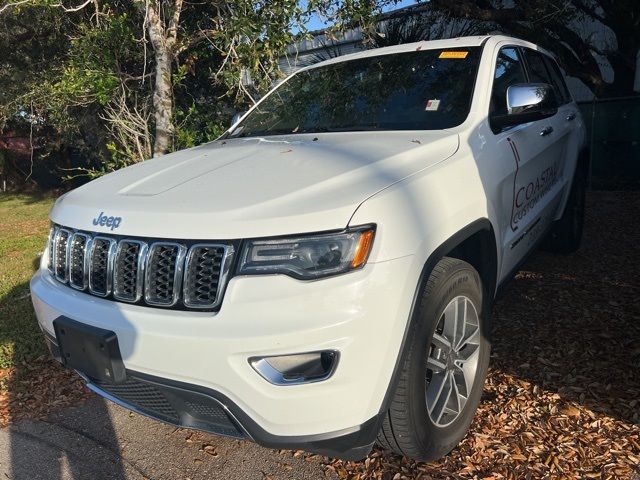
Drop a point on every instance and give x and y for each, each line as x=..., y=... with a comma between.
x=571, y=116
x=546, y=131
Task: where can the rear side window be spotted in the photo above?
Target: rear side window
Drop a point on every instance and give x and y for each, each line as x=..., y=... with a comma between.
x=558, y=80
x=509, y=71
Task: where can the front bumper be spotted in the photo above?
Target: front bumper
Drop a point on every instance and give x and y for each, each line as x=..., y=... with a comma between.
x=362, y=315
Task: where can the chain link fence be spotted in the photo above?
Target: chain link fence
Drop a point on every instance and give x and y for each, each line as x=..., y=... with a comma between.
x=613, y=128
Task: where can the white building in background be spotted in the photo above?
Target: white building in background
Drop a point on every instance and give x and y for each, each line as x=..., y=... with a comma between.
x=321, y=46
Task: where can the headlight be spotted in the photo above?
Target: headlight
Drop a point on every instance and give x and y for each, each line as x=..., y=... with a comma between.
x=308, y=257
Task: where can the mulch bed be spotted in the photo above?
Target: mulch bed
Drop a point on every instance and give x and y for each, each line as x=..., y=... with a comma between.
x=562, y=399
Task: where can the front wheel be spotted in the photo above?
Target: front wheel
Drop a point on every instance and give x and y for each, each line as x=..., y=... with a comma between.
x=443, y=374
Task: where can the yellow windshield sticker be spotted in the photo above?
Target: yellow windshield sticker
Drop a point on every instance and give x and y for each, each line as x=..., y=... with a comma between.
x=453, y=54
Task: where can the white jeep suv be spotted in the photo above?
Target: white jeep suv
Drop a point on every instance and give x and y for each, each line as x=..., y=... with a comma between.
x=321, y=277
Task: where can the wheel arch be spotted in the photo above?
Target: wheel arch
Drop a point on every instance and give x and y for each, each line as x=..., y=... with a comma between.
x=475, y=244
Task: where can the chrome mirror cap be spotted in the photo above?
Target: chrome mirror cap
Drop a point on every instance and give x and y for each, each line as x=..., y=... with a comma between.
x=529, y=97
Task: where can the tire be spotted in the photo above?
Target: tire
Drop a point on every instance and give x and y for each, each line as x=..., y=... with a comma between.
x=566, y=233
x=408, y=427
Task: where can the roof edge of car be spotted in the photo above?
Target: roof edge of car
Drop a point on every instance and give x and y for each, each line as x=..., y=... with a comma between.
x=458, y=42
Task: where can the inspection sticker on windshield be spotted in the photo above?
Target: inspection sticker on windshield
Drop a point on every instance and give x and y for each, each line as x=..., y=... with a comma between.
x=432, y=105
x=447, y=54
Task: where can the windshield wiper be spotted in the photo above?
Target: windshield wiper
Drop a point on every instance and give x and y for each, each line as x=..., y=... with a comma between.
x=263, y=133
x=317, y=129
x=363, y=127
x=340, y=128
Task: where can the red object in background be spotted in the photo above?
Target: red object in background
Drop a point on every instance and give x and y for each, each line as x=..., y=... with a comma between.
x=15, y=144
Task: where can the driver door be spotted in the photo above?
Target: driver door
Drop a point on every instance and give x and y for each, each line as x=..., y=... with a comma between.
x=532, y=162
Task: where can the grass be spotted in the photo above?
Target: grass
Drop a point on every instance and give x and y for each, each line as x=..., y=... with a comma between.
x=24, y=227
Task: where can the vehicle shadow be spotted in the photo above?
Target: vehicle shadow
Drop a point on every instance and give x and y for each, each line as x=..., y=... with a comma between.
x=571, y=324
x=34, y=443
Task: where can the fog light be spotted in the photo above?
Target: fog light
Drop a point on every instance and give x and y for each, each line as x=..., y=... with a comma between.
x=296, y=369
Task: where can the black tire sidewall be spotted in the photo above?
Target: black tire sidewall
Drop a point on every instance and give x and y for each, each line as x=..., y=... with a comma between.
x=461, y=280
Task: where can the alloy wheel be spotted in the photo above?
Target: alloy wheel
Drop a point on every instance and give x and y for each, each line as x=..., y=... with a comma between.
x=452, y=361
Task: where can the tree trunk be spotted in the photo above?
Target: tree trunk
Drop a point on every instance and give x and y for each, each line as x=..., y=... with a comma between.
x=163, y=104
x=163, y=40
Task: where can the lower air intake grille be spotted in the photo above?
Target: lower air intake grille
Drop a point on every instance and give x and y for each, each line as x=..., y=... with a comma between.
x=175, y=405
x=145, y=396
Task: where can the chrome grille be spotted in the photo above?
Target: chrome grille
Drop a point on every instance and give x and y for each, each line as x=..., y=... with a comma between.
x=52, y=236
x=128, y=270
x=101, y=265
x=164, y=273
x=159, y=273
x=60, y=254
x=203, y=276
x=78, y=274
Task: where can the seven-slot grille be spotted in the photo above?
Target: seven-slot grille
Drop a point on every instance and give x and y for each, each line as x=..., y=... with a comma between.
x=158, y=273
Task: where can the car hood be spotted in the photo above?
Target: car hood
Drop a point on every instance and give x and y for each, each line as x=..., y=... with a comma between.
x=251, y=187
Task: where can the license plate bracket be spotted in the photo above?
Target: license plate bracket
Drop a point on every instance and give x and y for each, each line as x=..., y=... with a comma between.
x=91, y=350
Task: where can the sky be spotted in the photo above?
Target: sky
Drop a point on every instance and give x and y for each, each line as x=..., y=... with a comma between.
x=316, y=23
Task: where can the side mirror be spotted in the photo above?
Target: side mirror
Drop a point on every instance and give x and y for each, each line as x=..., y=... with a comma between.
x=527, y=102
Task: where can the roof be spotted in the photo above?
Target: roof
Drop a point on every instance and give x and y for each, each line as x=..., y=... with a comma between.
x=474, y=41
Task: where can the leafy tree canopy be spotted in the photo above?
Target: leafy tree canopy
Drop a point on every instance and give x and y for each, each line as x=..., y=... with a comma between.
x=101, y=84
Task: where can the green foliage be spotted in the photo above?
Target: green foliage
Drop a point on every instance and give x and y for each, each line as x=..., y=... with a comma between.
x=95, y=56
x=23, y=232
x=256, y=34
x=83, y=80
x=196, y=126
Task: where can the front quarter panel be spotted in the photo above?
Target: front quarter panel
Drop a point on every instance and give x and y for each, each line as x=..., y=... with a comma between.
x=417, y=215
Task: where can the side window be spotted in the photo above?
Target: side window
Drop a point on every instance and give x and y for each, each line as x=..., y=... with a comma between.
x=558, y=80
x=509, y=71
x=538, y=72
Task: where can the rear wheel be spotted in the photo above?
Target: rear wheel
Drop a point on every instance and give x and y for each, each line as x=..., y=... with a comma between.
x=442, y=377
x=566, y=233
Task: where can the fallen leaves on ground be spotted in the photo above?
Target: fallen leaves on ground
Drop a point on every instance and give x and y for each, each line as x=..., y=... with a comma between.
x=36, y=389
x=562, y=399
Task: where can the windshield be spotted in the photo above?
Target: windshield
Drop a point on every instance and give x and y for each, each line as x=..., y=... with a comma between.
x=419, y=90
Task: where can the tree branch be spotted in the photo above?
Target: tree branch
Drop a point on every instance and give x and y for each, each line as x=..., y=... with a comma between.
x=470, y=9
x=13, y=4
x=172, y=30
x=590, y=11
x=197, y=38
x=72, y=9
